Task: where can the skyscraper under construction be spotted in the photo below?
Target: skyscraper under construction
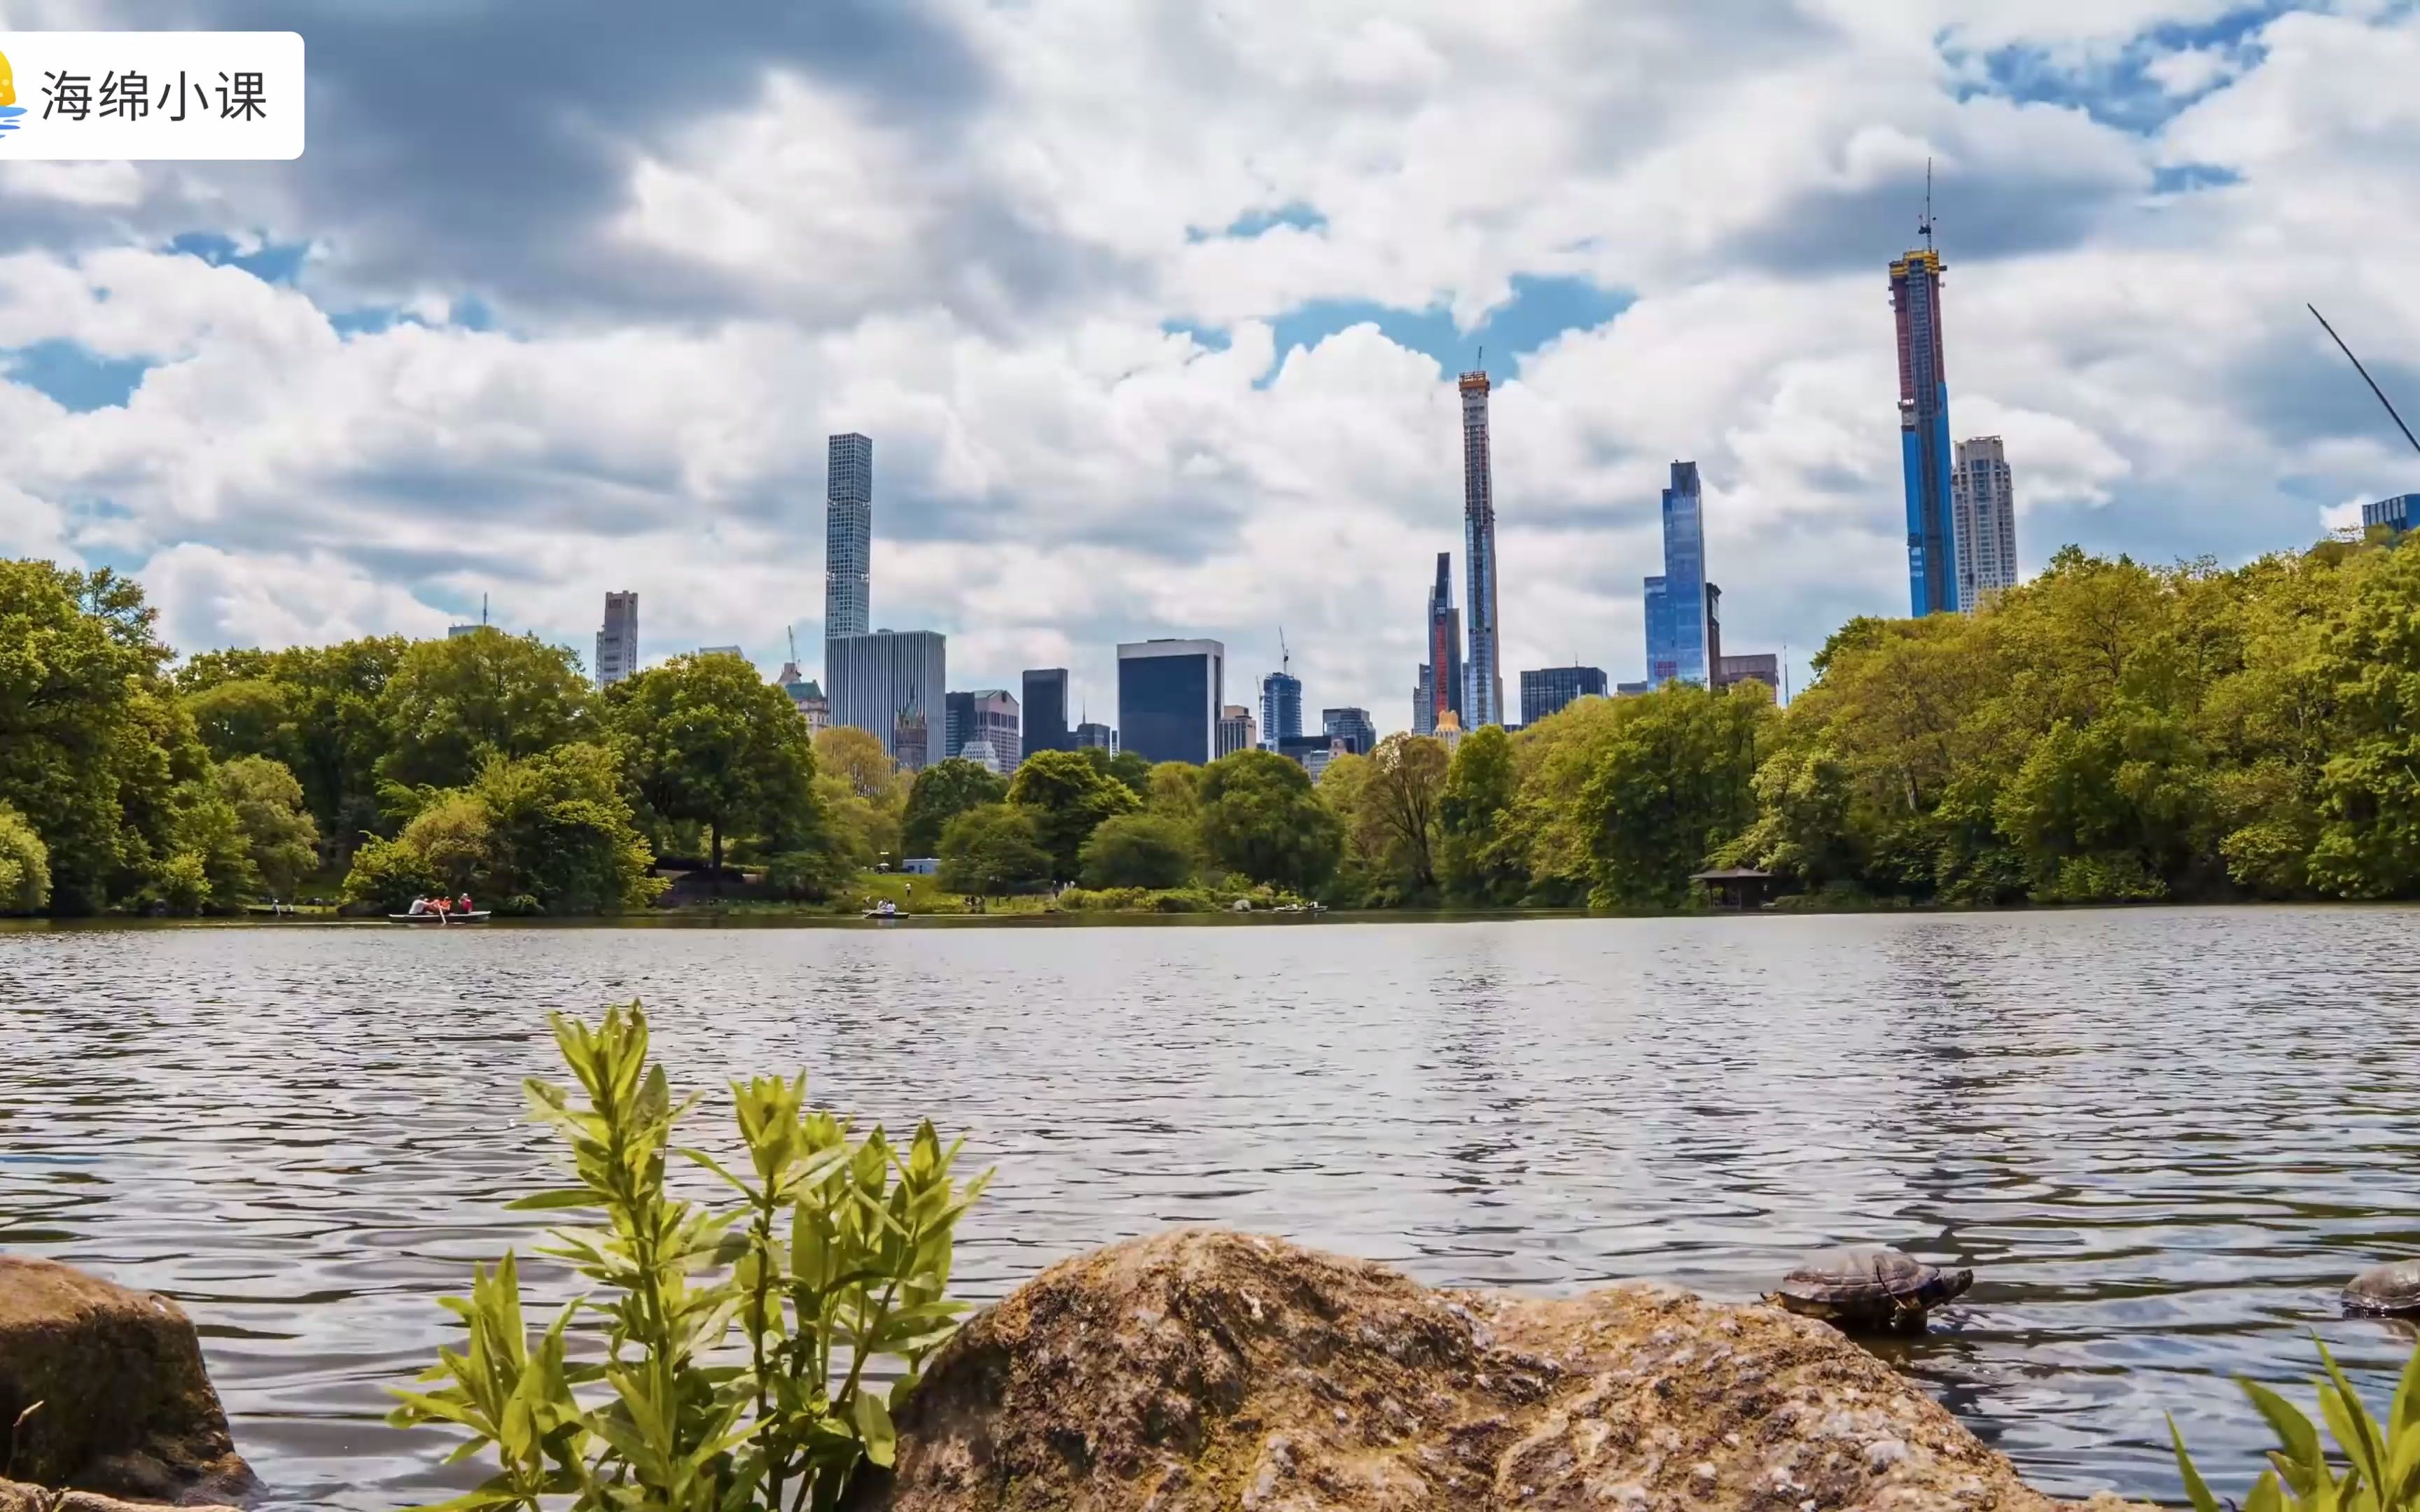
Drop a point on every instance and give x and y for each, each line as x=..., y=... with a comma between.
x=1924, y=430
x=1482, y=668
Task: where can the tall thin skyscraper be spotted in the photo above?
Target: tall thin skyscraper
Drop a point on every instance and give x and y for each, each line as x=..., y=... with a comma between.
x=1680, y=624
x=617, y=643
x=1924, y=431
x=1484, y=672
x=1440, y=677
x=848, y=537
x=1983, y=506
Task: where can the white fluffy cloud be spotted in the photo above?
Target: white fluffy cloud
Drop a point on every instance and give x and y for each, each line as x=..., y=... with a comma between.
x=1085, y=428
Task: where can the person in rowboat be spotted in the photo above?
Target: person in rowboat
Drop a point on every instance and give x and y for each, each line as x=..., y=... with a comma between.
x=464, y=907
x=419, y=906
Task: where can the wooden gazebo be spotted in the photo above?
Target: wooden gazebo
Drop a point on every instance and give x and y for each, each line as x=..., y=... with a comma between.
x=1737, y=887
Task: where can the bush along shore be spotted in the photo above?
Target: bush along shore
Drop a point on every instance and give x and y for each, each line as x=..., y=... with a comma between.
x=2107, y=733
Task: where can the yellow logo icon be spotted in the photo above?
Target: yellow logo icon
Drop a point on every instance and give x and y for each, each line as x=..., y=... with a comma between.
x=8, y=84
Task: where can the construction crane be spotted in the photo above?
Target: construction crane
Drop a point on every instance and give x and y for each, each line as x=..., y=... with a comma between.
x=2364, y=375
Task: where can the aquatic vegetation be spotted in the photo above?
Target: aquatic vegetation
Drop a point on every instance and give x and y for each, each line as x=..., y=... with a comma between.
x=2382, y=1460
x=834, y=1256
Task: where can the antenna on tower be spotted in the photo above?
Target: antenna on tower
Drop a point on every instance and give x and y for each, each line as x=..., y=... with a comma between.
x=1924, y=225
x=2364, y=375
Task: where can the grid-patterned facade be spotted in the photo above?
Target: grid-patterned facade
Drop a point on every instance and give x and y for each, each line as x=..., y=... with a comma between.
x=1983, y=512
x=1169, y=693
x=848, y=537
x=1484, y=672
x=617, y=642
x=1237, y=729
x=1280, y=707
x=1680, y=628
x=890, y=684
x=989, y=717
x=1548, y=688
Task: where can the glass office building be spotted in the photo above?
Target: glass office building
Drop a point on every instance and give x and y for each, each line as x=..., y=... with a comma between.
x=1168, y=696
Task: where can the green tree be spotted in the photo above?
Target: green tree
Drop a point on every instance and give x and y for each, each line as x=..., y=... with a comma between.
x=1260, y=817
x=1139, y=850
x=25, y=866
x=1399, y=808
x=940, y=793
x=993, y=849
x=206, y=864
x=246, y=716
x=280, y=838
x=454, y=705
x=857, y=757
x=704, y=739
x=1672, y=786
x=1175, y=791
x=91, y=745
x=1481, y=857
x=1125, y=767
x=1069, y=794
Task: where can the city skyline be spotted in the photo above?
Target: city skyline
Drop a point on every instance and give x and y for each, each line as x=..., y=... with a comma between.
x=1160, y=396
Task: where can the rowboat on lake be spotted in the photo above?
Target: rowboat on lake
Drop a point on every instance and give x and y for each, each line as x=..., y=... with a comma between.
x=475, y=917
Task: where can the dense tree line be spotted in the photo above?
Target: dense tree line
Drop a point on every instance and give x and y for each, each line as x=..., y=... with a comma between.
x=2109, y=732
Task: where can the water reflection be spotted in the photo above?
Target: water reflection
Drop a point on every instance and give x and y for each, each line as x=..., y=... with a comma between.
x=2164, y=1138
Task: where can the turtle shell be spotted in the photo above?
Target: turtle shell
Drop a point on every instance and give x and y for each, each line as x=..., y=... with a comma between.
x=2385, y=1290
x=1863, y=1276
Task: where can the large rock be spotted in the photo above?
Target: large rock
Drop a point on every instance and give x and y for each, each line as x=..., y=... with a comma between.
x=126, y=1408
x=18, y=1497
x=1197, y=1370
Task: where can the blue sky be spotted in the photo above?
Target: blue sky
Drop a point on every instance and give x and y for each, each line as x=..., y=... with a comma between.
x=1154, y=313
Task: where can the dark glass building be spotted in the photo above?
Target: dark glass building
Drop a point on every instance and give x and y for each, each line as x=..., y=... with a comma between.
x=1549, y=688
x=1046, y=710
x=1351, y=726
x=1280, y=707
x=1168, y=696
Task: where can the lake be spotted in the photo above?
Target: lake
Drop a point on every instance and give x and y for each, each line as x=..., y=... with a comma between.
x=2163, y=1137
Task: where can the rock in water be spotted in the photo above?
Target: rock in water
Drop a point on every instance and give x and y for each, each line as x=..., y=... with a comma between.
x=1197, y=1370
x=127, y=1409
x=2386, y=1290
x=17, y=1497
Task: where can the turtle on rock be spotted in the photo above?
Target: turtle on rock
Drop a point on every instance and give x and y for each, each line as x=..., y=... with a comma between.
x=1870, y=1288
x=2386, y=1290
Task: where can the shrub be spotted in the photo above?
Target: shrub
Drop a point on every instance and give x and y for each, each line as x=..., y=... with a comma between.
x=2382, y=1461
x=1141, y=850
x=993, y=849
x=807, y=876
x=835, y=1256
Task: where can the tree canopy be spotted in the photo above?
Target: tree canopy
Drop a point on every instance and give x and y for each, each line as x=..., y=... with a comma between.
x=1139, y=850
x=1069, y=793
x=940, y=793
x=705, y=740
x=993, y=849
x=454, y=703
x=1261, y=819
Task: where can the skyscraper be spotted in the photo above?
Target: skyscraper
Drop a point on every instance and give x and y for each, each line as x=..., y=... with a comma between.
x=988, y=717
x=890, y=683
x=1679, y=630
x=1281, y=708
x=1440, y=676
x=1483, y=676
x=1170, y=692
x=1353, y=727
x=848, y=537
x=1924, y=432
x=1983, y=509
x=1549, y=688
x=1046, y=710
x=617, y=643
x=1236, y=729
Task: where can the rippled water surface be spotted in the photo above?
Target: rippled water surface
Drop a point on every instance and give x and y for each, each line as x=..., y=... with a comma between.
x=2164, y=1138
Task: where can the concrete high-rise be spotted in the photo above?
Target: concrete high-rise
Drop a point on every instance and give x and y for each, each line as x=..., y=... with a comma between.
x=1045, y=710
x=1983, y=511
x=1680, y=634
x=1281, y=708
x=1237, y=729
x=1169, y=693
x=1482, y=702
x=989, y=716
x=1440, y=676
x=1924, y=434
x=890, y=685
x=617, y=643
x=849, y=538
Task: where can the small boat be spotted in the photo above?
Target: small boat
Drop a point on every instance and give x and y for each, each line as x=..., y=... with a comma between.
x=475, y=917
x=884, y=912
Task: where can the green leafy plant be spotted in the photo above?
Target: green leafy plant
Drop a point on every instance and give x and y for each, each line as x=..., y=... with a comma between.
x=835, y=1256
x=2382, y=1460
